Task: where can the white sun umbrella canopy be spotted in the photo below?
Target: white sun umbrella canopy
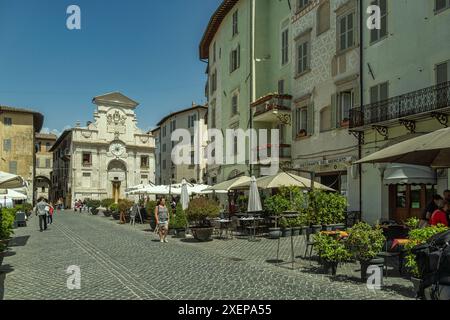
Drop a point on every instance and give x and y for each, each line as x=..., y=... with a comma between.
x=14, y=195
x=184, y=195
x=10, y=181
x=254, y=200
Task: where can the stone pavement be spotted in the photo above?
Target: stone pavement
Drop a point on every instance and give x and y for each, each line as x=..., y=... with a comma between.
x=128, y=263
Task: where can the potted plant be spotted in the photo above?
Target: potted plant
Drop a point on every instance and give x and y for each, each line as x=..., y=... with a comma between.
x=114, y=208
x=302, y=133
x=106, y=205
x=124, y=210
x=286, y=230
x=365, y=243
x=93, y=206
x=7, y=218
x=199, y=213
x=329, y=209
x=150, y=208
x=418, y=237
x=296, y=225
x=287, y=200
x=331, y=251
x=180, y=222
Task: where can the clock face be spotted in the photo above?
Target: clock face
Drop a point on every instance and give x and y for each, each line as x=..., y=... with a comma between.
x=117, y=149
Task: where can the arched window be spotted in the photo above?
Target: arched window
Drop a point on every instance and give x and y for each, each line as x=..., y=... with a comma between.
x=323, y=17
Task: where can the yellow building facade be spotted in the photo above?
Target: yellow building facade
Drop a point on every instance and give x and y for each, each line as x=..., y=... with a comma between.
x=17, y=136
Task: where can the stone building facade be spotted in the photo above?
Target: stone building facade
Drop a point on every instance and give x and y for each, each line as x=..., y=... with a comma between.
x=17, y=150
x=189, y=119
x=104, y=158
x=44, y=164
x=325, y=87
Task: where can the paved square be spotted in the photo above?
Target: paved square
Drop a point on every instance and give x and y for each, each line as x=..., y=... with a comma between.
x=125, y=262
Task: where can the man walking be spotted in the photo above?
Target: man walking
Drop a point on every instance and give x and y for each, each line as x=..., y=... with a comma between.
x=41, y=210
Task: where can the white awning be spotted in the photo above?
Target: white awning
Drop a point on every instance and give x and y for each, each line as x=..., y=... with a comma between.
x=409, y=174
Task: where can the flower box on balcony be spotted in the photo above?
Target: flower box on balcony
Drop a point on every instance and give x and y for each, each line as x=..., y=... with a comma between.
x=302, y=134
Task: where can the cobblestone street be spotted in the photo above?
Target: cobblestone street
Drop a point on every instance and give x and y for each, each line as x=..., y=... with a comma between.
x=126, y=262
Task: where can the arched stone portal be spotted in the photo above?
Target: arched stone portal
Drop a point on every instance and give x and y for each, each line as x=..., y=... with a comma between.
x=117, y=176
x=42, y=187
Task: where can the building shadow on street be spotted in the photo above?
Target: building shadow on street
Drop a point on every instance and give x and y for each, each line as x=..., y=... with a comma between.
x=4, y=269
x=19, y=241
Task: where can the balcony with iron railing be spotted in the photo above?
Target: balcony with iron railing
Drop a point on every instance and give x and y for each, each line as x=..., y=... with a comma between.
x=427, y=102
x=271, y=107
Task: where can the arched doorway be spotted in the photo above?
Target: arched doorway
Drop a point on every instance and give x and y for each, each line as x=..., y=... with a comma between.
x=117, y=176
x=42, y=187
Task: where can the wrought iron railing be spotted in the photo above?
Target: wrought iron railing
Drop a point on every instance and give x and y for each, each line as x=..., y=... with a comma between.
x=430, y=99
x=272, y=103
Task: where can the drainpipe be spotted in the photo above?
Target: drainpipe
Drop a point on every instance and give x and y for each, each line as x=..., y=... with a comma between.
x=361, y=94
x=252, y=74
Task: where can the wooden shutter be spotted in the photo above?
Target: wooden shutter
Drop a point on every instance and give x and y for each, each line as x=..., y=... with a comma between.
x=356, y=97
x=311, y=119
x=334, y=111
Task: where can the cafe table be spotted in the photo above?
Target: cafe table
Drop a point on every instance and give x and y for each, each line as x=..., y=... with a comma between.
x=224, y=226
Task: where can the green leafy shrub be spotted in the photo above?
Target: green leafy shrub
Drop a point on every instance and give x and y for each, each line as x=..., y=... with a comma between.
x=106, y=203
x=329, y=207
x=150, y=207
x=93, y=204
x=125, y=205
x=418, y=237
x=179, y=219
x=412, y=223
x=114, y=207
x=330, y=249
x=7, y=218
x=24, y=207
x=202, y=209
x=364, y=242
x=287, y=199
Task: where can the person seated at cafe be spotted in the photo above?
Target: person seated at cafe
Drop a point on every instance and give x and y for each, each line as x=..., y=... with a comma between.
x=429, y=210
x=440, y=215
x=447, y=198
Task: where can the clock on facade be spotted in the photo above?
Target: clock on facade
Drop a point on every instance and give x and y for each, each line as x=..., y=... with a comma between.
x=117, y=149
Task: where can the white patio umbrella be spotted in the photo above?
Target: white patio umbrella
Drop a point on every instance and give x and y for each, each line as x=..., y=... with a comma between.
x=283, y=180
x=254, y=200
x=184, y=195
x=230, y=184
x=14, y=195
x=10, y=181
x=431, y=150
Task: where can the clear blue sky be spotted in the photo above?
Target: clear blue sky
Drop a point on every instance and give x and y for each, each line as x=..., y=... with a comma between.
x=146, y=49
